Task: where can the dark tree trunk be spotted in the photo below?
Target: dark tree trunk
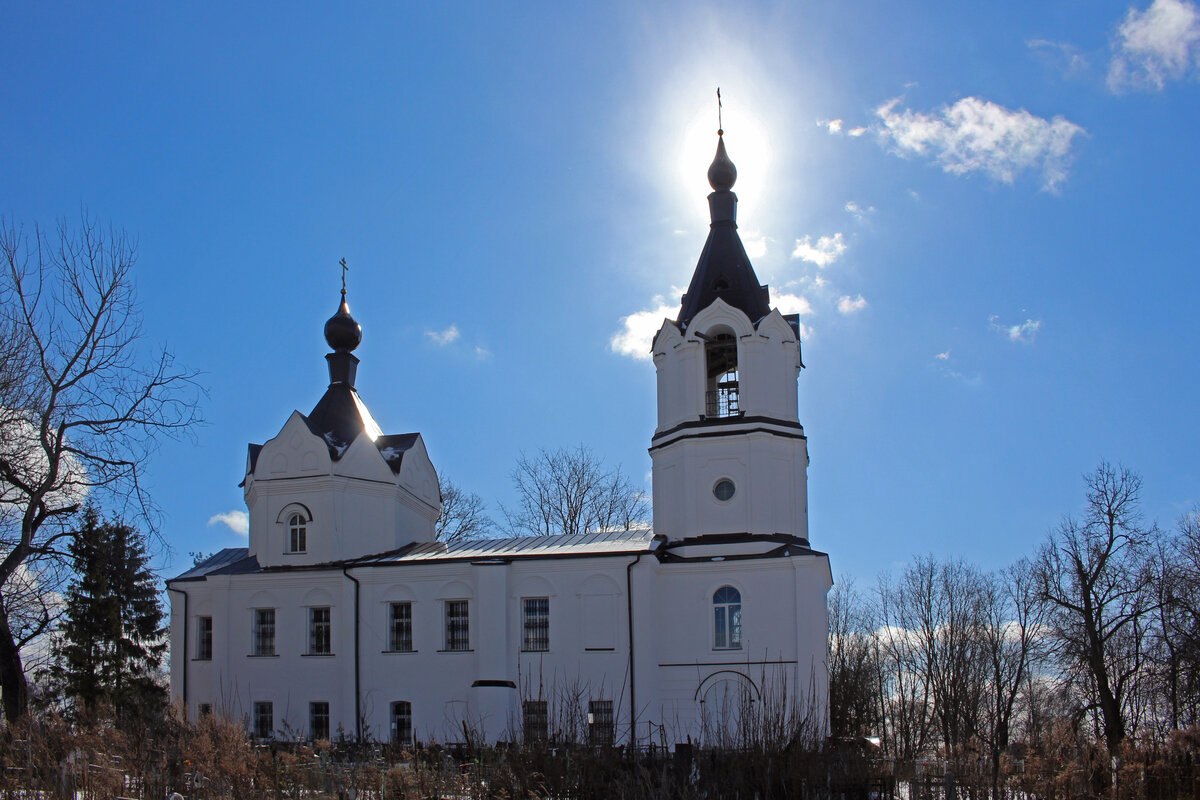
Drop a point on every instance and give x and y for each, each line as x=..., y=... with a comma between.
x=12, y=671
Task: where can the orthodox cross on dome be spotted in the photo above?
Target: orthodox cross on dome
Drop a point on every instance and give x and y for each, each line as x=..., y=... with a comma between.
x=720, y=127
x=344, y=268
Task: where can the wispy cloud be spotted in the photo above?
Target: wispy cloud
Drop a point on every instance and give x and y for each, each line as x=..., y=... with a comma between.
x=237, y=521
x=850, y=305
x=831, y=125
x=949, y=370
x=857, y=211
x=1156, y=45
x=445, y=337
x=636, y=335
x=1024, y=332
x=823, y=252
x=976, y=135
x=482, y=353
x=1063, y=56
x=856, y=132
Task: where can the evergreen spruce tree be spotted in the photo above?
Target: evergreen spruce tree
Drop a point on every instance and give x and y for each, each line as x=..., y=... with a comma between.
x=112, y=640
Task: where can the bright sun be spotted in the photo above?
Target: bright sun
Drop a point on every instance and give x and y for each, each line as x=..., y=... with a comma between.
x=746, y=141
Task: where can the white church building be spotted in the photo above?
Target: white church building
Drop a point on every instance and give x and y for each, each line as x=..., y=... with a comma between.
x=345, y=616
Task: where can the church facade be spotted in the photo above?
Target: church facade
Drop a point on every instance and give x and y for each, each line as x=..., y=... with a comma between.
x=346, y=617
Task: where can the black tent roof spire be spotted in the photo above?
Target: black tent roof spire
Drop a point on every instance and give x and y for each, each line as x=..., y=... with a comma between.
x=723, y=270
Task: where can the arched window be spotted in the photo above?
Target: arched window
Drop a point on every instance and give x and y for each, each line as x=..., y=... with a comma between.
x=727, y=619
x=720, y=357
x=297, y=533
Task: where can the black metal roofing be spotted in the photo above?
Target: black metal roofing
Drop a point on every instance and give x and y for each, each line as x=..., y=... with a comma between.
x=230, y=561
x=590, y=544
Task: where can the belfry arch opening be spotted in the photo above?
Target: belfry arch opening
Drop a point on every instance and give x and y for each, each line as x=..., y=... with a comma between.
x=722, y=396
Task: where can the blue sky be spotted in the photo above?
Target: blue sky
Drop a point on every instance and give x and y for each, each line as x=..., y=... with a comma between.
x=986, y=212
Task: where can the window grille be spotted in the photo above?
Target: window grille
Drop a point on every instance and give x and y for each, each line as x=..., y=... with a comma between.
x=401, y=640
x=601, y=730
x=402, y=722
x=318, y=720
x=319, y=631
x=298, y=533
x=458, y=625
x=535, y=720
x=264, y=719
x=727, y=619
x=536, y=624
x=264, y=632
x=204, y=642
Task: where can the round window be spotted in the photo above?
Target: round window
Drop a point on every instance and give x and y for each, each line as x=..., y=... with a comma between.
x=724, y=489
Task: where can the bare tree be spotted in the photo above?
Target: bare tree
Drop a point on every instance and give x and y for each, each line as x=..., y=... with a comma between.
x=905, y=691
x=1176, y=651
x=1014, y=641
x=84, y=404
x=464, y=514
x=570, y=491
x=1093, y=572
x=853, y=674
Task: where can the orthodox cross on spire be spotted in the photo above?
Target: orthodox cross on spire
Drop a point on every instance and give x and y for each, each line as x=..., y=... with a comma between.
x=720, y=127
x=344, y=268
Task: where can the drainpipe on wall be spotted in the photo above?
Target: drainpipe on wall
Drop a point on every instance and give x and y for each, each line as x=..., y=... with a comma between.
x=185, y=648
x=632, y=682
x=357, y=703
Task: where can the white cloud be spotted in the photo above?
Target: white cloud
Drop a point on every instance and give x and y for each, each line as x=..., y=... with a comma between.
x=826, y=250
x=819, y=281
x=859, y=131
x=637, y=330
x=850, y=305
x=943, y=356
x=1156, y=45
x=832, y=125
x=1024, y=332
x=482, y=353
x=979, y=135
x=237, y=521
x=790, y=303
x=443, y=338
x=755, y=247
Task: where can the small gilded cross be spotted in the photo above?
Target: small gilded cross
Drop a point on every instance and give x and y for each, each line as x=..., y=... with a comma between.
x=344, y=268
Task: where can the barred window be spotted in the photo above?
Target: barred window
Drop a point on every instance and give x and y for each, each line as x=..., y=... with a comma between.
x=458, y=625
x=601, y=730
x=402, y=722
x=535, y=721
x=536, y=624
x=318, y=720
x=204, y=638
x=264, y=719
x=401, y=640
x=727, y=619
x=297, y=533
x=319, y=631
x=264, y=632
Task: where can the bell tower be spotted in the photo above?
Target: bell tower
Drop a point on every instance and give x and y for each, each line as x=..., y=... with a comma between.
x=729, y=453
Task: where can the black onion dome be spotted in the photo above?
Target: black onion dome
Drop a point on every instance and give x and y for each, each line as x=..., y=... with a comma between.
x=342, y=332
x=722, y=174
